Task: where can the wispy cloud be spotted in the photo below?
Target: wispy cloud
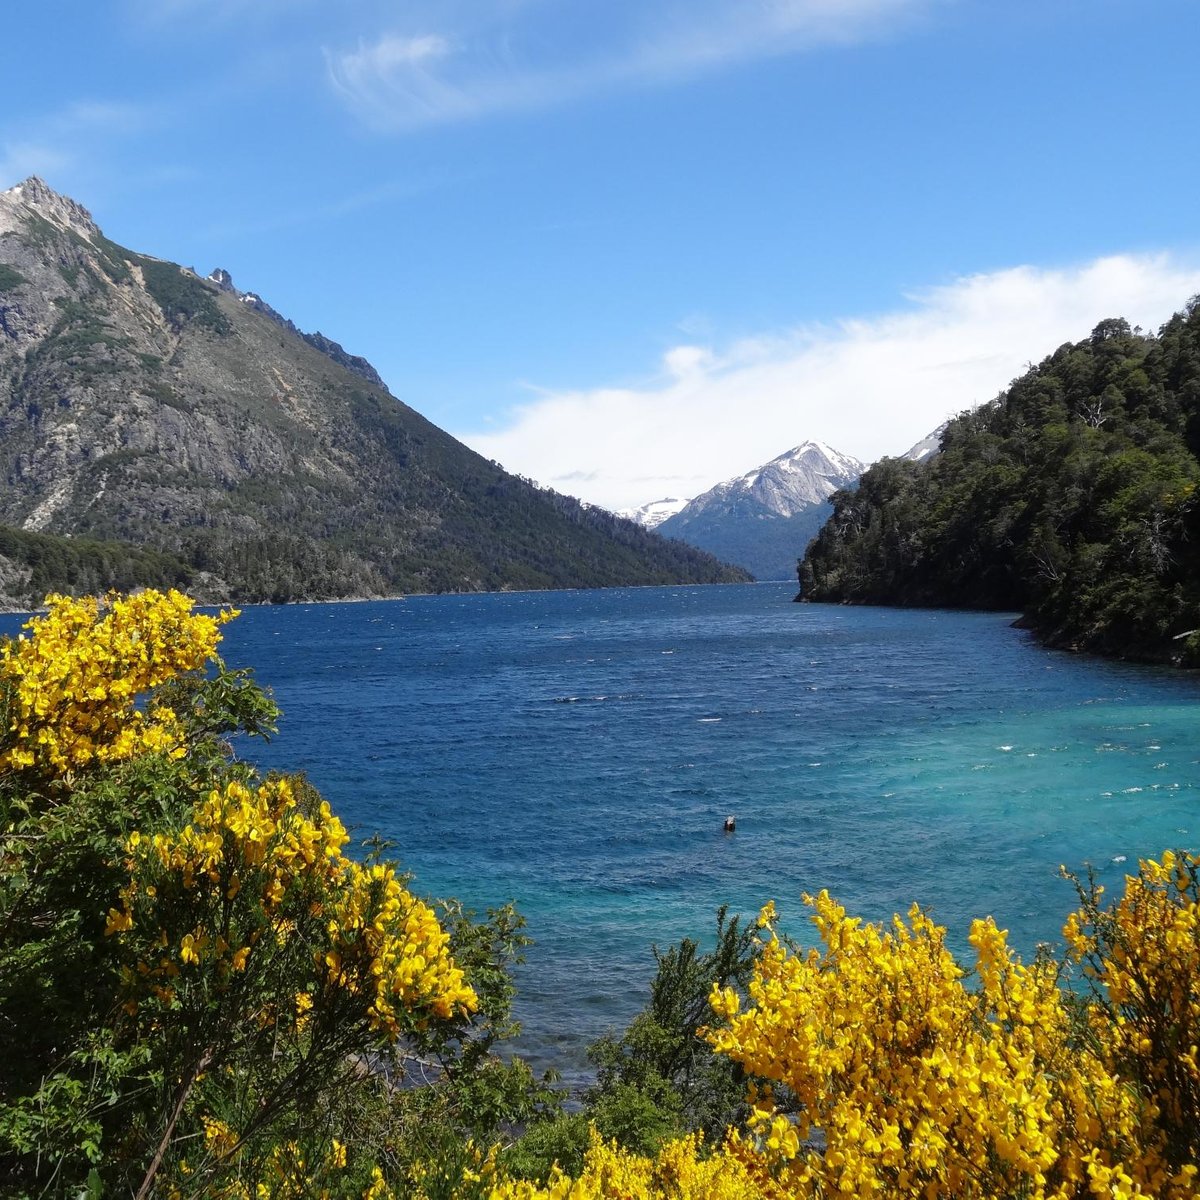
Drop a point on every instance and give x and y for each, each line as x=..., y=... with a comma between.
x=869, y=386
x=52, y=144
x=315, y=213
x=401, y=80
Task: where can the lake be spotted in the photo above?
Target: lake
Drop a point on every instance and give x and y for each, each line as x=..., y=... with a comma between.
x=578, y=752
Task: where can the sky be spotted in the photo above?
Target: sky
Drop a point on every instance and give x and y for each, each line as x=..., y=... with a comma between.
x=630, y=248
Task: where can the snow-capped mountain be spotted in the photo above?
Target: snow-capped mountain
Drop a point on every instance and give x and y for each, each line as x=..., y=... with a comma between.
x=764, y=519
x=928, y=446
x=786, y=485
x=652, y=515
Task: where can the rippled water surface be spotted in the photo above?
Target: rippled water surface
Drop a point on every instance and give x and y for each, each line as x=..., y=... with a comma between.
x=578, y=752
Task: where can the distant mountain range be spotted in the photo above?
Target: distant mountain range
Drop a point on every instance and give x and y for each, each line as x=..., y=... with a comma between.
x=157, y=426
x=764, y=519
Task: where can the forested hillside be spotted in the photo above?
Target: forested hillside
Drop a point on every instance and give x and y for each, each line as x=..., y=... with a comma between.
x=1070, y=497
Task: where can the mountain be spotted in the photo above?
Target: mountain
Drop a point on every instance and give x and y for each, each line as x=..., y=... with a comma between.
x=763, y=520
x=928, y=446
x=1073, y=498
x=652, y=515
x=147, y=410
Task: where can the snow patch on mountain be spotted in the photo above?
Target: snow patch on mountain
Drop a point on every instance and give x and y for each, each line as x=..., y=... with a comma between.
x=928, y=446
x=652, y=515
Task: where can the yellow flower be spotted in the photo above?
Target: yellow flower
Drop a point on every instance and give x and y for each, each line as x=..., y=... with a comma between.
x=78, y=675
x=118, y=921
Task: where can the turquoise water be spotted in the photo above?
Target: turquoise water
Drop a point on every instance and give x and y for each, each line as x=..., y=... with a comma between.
x=578, y=752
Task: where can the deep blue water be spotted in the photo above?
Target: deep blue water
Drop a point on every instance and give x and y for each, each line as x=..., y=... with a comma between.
x=578, y=752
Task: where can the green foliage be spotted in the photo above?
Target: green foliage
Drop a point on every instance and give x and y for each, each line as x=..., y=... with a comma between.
x=560, y=1138
x=183, y=298
x=10, y=278
x=1071, y=497
x=658, y=1079
x=660, y=1053
x=83, y=566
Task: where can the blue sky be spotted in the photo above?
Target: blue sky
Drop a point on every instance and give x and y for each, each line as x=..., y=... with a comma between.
x=633, y=247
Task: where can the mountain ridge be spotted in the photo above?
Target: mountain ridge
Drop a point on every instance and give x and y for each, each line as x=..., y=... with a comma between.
x=142, y=404
x=762, y=520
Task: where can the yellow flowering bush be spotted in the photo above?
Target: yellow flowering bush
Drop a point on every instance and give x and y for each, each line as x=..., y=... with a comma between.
x=201, y=992
x=923, y=1086
x=680, y=1171
x=1142, y=955
x=76, y=678
x=254, y=871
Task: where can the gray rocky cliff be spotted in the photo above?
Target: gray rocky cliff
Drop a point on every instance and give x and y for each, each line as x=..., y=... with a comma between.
x=141, y=402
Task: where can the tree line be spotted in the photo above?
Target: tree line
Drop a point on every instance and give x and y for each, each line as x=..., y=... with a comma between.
x=1071, y=498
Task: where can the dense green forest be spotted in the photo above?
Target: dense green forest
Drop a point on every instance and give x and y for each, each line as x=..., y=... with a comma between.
x=1070, y=497
x=288, y=566
x=35, y=564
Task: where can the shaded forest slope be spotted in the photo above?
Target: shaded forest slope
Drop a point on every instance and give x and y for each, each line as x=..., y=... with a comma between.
x=1070, y=497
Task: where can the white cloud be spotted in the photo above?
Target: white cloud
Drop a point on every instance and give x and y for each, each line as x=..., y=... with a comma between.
x=684, y=362
x=400, y=81
x=397, y=79
x=868, y=386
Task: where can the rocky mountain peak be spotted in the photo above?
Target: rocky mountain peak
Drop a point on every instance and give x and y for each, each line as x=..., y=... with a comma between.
x=36, y=194
x=210, y=442
x=807, y=474
x=764, y=519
